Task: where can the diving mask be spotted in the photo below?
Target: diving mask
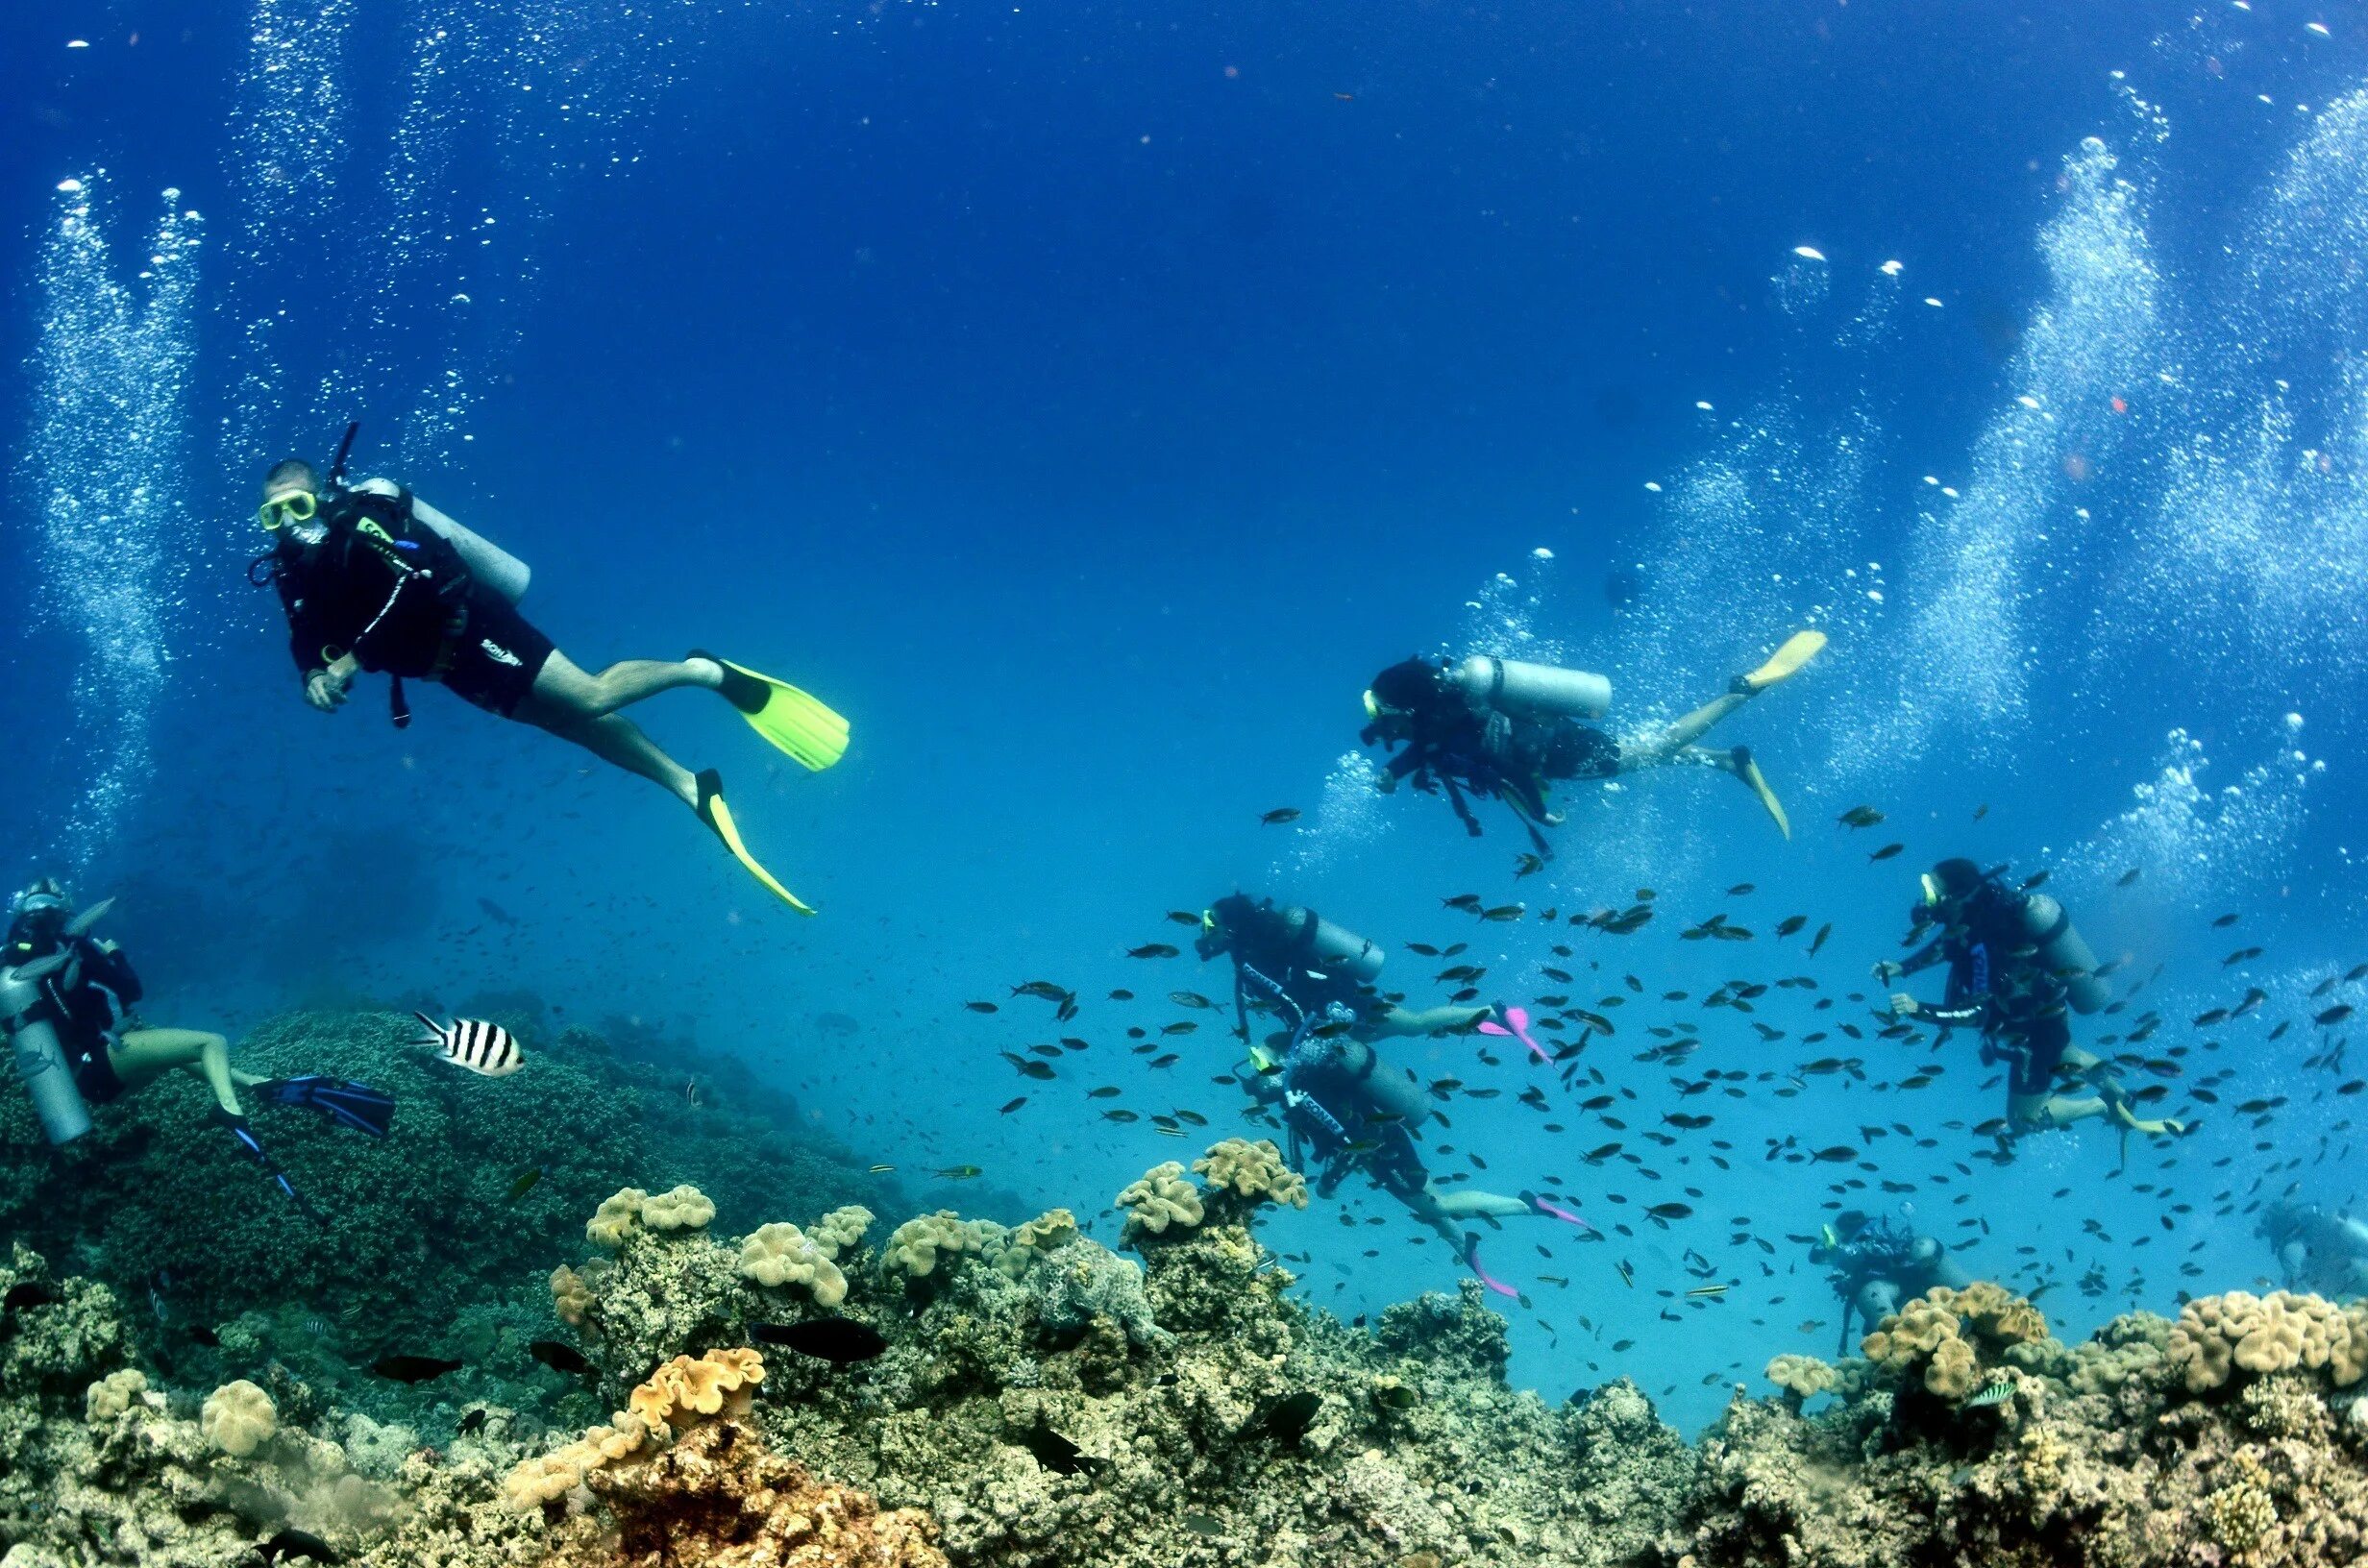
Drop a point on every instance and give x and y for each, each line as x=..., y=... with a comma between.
x=296, y=507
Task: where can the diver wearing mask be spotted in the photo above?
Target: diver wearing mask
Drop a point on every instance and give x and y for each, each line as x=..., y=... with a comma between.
x=1878, y=1263
x=2016, y=966
x=69, y=998
x=1490, y=726
x=372, y=578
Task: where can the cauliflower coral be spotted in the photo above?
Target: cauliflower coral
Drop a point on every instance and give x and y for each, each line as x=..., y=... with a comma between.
x=1253, y=1171
x=237, y=1418
x=2218, y=1336
x=1160, y=1198
x=781, y=1254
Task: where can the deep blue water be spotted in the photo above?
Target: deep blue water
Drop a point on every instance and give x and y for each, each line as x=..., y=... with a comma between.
x=1087, y=400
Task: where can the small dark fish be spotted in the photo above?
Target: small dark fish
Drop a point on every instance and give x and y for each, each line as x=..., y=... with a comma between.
x=1056, y=1453
x=1151, y=949
x=1791, y=923
x=958, y=1173
x=473, y=1422
x=1288, y=1418
x=29, y=1294
x=1838, y=1154
x=1036, y=1069
x=1121, y=995
x=413, y=1368
x=1013, y=1106
x=290, y=1544
x=496, y=913
x=1183, y=917
x=525, y=1184
x=2034, y=880
x=2242, y=955
x=2223, y=922
x=982, y=1007
x=1818, y=941
x=2130, y=876
x=561, y=1357
x=1107, y=1092
x=2333, y=1015
x=1526, y=865
x=836, y=1023
x=1279, y=816
x=1044, y=990
x=1740, y=889
x=1190, y=998
x=841, y=1342
x=1666, y=1211
x=1504, y=911
x=1120, y=1116
x=1860, y=817
x=1887, y=851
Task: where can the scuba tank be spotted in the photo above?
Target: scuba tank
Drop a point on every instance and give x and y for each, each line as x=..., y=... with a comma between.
x=1531, y=690
x=493, y=568
x=1335, y=950
x=40, y=1059
x=2064, y=954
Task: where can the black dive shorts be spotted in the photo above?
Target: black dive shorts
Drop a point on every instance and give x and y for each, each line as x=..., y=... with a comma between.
x=499, y=657
x=2044, y=1045
x=93, y=1074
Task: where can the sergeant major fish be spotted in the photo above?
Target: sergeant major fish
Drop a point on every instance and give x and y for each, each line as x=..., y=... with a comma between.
x=485, y=1049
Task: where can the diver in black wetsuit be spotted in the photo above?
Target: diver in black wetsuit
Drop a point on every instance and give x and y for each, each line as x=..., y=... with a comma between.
x=2320, y=1250
x=2016, y=967
x=1878, y=1263
x=1340, y=1103
x=1490, y=726
x=69, y=998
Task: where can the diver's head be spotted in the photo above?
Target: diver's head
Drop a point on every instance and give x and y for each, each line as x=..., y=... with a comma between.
x=1221, y=923
x=38, y=918
x=1398, y=694
x=291, y=494
x=1947, y=888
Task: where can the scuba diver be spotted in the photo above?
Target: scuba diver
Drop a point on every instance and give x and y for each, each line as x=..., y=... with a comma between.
x=2015, y=964
x=65, y=1002
x=1878, y=1263
x=2319, y=1250
x=374, y=578
x=1339, y=1104
x=1491, y=726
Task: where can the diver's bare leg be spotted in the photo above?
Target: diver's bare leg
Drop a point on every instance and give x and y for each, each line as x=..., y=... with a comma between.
x=1398, y=1021
x=562, y=686
x=1673, y=744
x=143, y=1054
x=617, y=740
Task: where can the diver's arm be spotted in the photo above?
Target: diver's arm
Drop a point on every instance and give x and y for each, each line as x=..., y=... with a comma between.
x=1922, y=959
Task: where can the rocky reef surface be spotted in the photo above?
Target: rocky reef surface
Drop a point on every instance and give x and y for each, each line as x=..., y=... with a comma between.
x=808, y=1386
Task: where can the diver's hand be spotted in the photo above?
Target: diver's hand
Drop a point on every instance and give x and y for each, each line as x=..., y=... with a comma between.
x=1386, y=783
x=1905, y=1006
x=327, y=689
x=1886, y=971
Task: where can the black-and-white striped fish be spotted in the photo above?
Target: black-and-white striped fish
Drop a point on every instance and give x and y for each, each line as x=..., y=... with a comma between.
x=484, y=1048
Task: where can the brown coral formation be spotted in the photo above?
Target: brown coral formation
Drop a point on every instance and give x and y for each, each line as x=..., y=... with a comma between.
x=1944, y=1333
x=2239, y=1336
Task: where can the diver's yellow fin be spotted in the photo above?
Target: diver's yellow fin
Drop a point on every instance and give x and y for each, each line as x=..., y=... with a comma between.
x=1799, y=648
x=1749, y=773
x=713, y=812
x=799, y=724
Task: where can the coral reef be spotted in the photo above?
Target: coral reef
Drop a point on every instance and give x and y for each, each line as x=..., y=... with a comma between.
x=1031, y=1399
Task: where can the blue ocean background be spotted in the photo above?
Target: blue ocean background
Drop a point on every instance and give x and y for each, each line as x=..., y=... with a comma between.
x=1087, y=400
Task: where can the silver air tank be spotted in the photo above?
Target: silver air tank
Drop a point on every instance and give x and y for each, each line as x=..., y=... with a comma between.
x=40, y=1059
x=1340, y=951
x=2063, y=954
x=1532, y=690
x=492, y=566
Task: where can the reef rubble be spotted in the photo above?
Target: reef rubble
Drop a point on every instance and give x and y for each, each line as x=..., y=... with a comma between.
x=1034, y=1399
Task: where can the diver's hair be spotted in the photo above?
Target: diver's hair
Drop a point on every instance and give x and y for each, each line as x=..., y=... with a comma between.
x=1958, y=878
x=291, y=473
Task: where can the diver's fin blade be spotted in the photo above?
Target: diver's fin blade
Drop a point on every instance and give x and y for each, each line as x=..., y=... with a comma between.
x=717, y=816
x=82, y=924
x=1748, y=770
x=799, y=724
x=1799, y=648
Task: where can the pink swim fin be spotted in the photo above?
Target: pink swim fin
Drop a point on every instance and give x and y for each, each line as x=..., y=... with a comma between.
x=1515, y=1027
x=1472, y=1260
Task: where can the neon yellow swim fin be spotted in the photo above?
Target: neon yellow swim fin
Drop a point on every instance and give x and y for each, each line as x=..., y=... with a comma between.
x=713, y=812
x=1799, y=648
x=1749, y=773
x=799, y=724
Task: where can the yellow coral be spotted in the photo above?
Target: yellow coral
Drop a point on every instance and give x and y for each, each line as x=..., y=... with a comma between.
x=718, y=1379
x=1252, y=1170
x=619, y=1214
x=1162, y=1197
x=1048, y=1232
x=1801, y=1376
x=685, y=1208
x=1952, y=1372
x=237, y=1418
x=2217, y=1337
x=112, y=1394
x=546, y=1479
x=916, y=1247
x=571, y=1296
x=840, y=1229
x=781, y=1254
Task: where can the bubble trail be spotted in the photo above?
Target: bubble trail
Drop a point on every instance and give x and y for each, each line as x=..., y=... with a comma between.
x=105, y=458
